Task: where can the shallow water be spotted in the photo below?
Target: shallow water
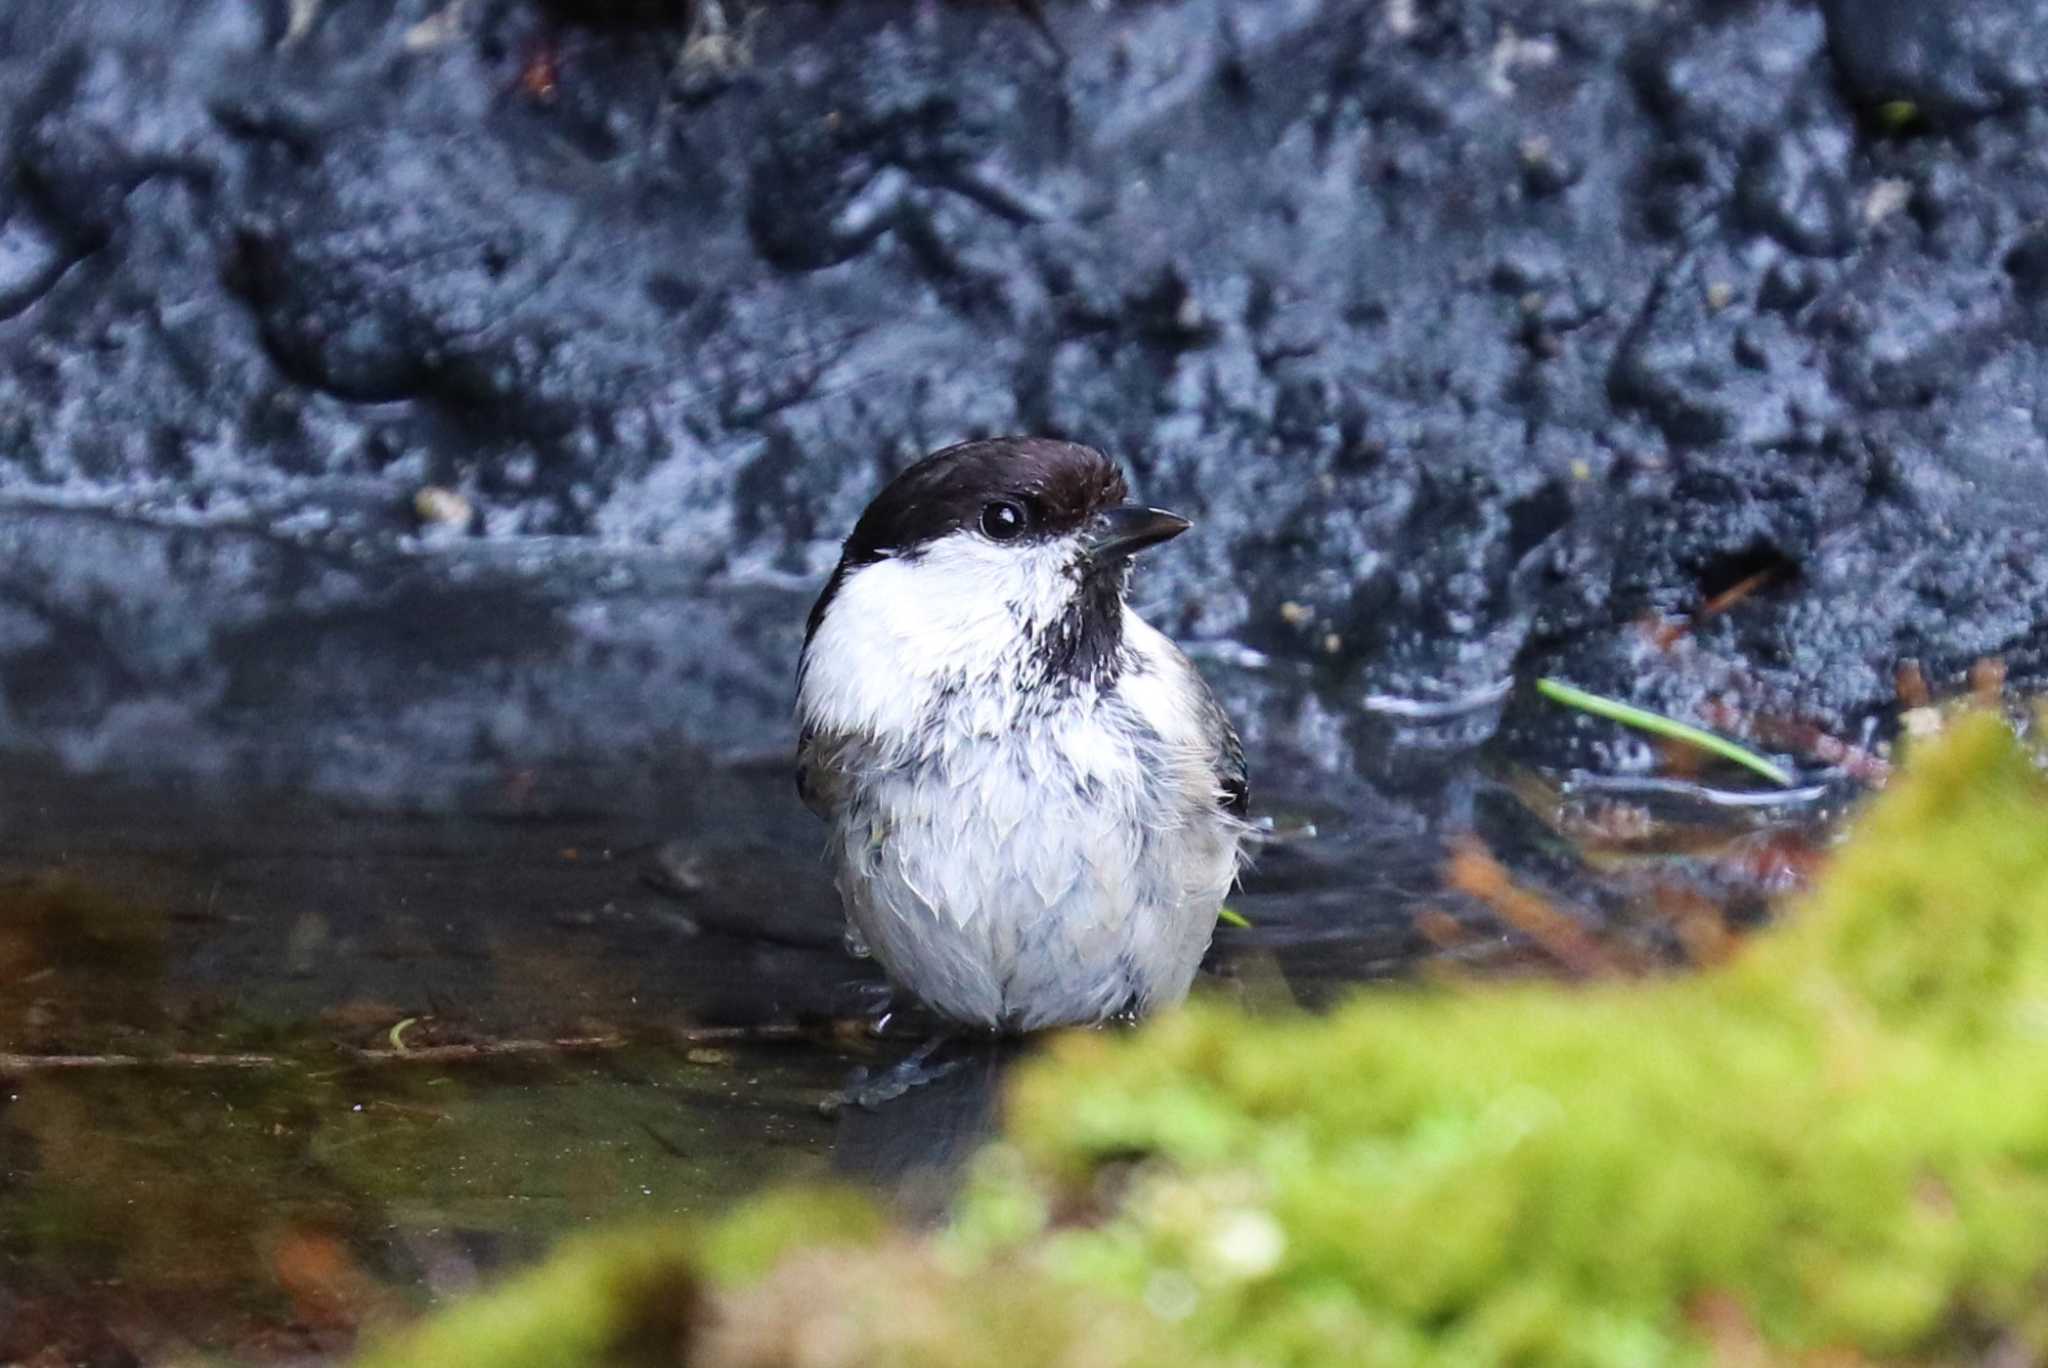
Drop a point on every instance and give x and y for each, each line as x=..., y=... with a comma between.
x=286, y=1068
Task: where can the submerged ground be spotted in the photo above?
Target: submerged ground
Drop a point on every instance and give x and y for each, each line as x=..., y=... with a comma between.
x=275, y=1068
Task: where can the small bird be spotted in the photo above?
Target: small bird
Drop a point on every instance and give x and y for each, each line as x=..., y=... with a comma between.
x=1035, y=803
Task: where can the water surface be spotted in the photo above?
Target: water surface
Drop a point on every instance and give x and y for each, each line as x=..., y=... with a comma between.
x=281, y=1067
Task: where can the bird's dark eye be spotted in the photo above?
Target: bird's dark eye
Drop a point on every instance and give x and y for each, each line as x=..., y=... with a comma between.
x=1004, y=519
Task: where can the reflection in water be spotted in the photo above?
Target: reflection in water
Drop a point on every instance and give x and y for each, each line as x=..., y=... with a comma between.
x=914, y=1144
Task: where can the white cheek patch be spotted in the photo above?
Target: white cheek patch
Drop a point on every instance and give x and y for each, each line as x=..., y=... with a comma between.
x=902, y=632
x=1159, y=692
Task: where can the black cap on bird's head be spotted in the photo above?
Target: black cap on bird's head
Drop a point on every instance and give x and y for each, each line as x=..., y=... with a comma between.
x=1010, y=489
x=1022, y=491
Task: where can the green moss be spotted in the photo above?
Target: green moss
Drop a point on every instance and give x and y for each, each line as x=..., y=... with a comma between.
x=1836, y=1143
x=1936, y=916
x=845, y=1297
x=618, y=1302
x=1836, y=1133
x=760, y=1234
x=898, y=1306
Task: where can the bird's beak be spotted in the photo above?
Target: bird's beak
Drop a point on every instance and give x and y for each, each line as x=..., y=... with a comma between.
x=1119, y=532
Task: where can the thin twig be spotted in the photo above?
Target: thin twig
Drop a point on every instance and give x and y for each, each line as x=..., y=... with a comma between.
x=14, y=1065
x=1475, y=872
x=1804, y=738
x=767, y=1032
x=1737, y=592
x=764, y=1033
x=484, y=1049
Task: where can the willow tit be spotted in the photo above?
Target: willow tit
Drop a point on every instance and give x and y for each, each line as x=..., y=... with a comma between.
x=1035, y=804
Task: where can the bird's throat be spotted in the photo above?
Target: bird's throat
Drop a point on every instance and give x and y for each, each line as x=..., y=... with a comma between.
x=1083, y=645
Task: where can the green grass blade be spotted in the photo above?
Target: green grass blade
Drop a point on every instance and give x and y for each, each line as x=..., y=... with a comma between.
x=1557, y=691
x=1229, y=916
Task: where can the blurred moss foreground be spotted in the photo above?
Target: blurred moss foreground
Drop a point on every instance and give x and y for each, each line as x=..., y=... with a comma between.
x=1839, y=1142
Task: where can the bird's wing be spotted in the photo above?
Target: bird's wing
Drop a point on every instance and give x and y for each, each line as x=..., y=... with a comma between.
x=820, y=770
x=820, y=775
x=1226, y=761
x=1233, y=779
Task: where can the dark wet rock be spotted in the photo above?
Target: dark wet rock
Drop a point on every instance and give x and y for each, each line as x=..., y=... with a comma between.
x=1706, y=368
x=1724, y=73
x=502, y=681
x=1944, y=60
x=330, y=261
x=1794, y=186
x=1472, y=334
x=2027, y=263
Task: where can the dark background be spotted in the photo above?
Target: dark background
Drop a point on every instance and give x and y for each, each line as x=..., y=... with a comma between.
x=1472, y=334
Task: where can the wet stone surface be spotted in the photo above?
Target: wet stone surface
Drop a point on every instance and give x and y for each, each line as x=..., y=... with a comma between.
x=1470, y=334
